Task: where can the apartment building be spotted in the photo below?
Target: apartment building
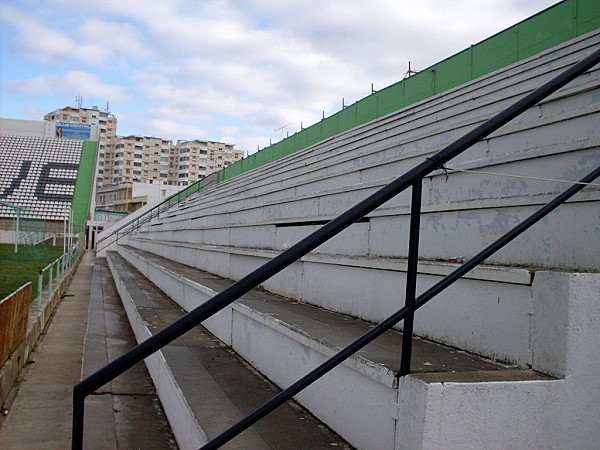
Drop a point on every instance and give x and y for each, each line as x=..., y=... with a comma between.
x=102, y=126
x=129, y=159
x=137, y=158
x=191, y=161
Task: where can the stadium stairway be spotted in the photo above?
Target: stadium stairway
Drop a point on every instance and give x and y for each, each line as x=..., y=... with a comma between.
x=507, y=356
x=202, y=384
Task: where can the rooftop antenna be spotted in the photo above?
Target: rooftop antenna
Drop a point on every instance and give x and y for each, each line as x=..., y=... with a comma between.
x=79, y=100
x=107, y=107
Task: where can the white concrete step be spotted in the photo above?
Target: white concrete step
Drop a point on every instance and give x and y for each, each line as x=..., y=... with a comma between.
x=284, y=339
x=558, y=140
x=203, y=386
x=488, y=313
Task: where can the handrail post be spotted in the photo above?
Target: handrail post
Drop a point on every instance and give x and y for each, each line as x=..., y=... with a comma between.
x=411, y=276
x=77, y=432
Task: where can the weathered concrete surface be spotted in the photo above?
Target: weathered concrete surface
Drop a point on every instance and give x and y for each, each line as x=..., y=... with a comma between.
x=462, y=212
x=443, y=411
x=204, y=386
x=126, y=412
x=40, y=415
x=283, y=339
x=37, y=322
x=487, y=313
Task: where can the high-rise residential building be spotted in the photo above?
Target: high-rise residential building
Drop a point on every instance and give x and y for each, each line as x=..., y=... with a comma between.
x=87, y=124
x=129, y=159
x=138, y=158
x=193, y=160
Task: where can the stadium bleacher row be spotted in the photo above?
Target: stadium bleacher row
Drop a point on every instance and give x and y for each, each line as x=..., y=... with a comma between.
x=38, y=175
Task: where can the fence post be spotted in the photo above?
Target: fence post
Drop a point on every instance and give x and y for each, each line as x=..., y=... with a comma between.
x=50, y=279
x=57, y=271
x=39, y=296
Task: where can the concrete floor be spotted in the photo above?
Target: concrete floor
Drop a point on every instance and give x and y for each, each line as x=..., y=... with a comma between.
x=39, y=416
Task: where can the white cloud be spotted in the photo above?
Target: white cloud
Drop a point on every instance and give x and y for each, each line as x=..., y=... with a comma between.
x=162, y=127
x=33, y=113
x=194, y=67
x=94, y=42
x=72, y=82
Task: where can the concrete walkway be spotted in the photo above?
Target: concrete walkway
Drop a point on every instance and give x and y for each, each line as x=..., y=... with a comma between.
x=40, y=414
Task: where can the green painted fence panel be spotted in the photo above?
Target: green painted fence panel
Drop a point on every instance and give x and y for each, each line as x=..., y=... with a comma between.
x=588, y=16
x=261, y=157
x=419, y=87
x=495, y=53
x=313, y=134
x=347, y=118
x=329, y=127
x=367, y=109
x=301, y=141
x=278, y=148
x=391, y=99
x=247, y=163
x=548, y=29
x=233, y=170
x=453, y=71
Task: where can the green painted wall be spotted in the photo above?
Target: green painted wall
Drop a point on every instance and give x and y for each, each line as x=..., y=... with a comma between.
x=84, y=184
x=555, y=25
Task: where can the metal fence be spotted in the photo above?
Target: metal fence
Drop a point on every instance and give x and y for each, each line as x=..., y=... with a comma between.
x=56, y=270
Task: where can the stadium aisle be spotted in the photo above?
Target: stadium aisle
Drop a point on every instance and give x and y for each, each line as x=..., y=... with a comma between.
x=41, y=413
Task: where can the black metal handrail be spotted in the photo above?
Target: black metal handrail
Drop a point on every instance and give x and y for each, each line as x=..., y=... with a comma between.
x=411, y=178
x=404, y=313
x=137, y=222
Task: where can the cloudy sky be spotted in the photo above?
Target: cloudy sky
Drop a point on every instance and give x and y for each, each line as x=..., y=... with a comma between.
x=237, y=71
